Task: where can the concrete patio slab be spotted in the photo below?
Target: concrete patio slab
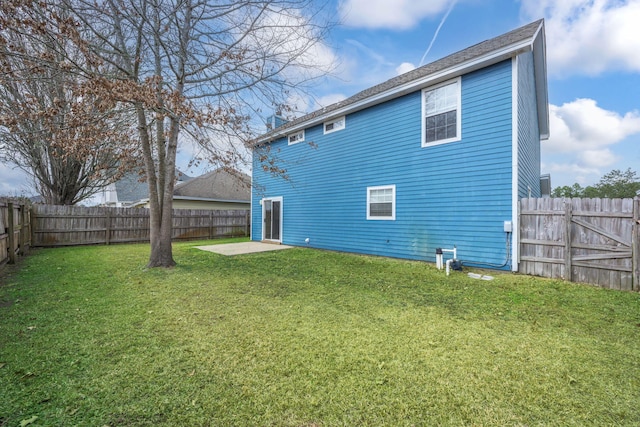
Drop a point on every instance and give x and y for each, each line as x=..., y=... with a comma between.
x=242, y=248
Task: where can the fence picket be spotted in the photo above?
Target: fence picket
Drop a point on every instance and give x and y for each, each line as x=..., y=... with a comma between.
x=77, y=225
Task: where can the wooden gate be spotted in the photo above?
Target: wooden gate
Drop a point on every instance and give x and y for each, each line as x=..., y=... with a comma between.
x=582, y=240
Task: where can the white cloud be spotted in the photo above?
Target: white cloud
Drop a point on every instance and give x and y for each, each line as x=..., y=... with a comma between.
x=405, y=67
x=601, y=158
x=586, y=140
x=570, y=173
x=303, y=103
x=329, y=99
x=319, y=60
x=299, y=103
x=589, y=36
x=289, y=39
x=397, y=15
x=583, y=128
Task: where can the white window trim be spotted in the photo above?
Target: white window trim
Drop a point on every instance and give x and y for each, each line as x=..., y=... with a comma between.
x=393, y=203
x=458, y=137
x=301, y=139
x=335, y=128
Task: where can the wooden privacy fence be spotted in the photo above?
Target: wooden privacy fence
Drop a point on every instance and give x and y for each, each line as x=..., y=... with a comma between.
x=15, y=230
x=77, y=225
x=582, y=240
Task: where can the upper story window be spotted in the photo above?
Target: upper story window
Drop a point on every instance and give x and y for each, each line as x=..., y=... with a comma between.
x=296, y=137
x=381, y=202
x=334, y=125
x=441, y=113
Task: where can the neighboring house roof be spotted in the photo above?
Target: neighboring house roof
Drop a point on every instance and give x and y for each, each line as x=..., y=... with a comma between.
x=218, y=185
x=130, y=188
x=524, y=39
x=37, y=199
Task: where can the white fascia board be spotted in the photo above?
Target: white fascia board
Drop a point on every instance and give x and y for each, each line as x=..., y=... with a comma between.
x=448, y=73
x=539, y=47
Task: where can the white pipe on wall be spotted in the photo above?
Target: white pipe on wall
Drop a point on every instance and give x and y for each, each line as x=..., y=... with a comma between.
x=453, y=251
x=439, y=258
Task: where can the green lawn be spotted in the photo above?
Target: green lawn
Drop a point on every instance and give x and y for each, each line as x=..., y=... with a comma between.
x=306, y=338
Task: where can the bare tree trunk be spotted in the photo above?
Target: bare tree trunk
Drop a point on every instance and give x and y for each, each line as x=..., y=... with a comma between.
x=161, y=248
x=160, y=198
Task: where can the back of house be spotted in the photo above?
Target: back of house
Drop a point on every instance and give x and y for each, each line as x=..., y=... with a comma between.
x=434, y=158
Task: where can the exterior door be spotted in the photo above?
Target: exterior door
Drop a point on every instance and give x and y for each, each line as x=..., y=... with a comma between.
x=272, y=219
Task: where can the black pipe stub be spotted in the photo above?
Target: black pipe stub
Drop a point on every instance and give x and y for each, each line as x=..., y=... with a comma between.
x=438, y=251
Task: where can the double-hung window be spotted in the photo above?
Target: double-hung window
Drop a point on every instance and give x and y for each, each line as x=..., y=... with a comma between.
x=441, y=113
x=381, y=202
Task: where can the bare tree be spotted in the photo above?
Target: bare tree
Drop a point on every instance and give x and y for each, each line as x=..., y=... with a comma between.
x=196, y=71
x=188, y=71
x=69, y=141
x=200, y=70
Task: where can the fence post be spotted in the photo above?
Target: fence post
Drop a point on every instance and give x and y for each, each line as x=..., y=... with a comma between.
x=24, y=217
x=32, y=225
x=12, y=236
x=27, y=223
x=567, y=244
x=635, y=245
x=107, y=231
x=247, y=217
x=211, y=225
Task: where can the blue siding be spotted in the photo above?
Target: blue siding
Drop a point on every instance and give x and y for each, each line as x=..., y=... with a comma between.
x=528, y=132
x=451, y=194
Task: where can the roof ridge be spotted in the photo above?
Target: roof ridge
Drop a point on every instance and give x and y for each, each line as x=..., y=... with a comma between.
x=474, y=51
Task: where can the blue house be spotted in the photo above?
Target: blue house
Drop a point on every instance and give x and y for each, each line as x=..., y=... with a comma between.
x=434, y=158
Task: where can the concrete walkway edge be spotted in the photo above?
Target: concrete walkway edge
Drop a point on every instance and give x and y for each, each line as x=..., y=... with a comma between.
x=242, y=248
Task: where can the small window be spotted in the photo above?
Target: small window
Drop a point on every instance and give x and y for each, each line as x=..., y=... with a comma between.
x=381, y=202
x=334, y=125
x=296, y=137
x=441, y=114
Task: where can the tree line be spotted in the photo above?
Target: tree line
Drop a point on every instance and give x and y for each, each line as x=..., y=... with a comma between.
x=613, y=185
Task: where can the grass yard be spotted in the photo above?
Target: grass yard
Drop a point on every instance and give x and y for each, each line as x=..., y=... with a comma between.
x=306, y=338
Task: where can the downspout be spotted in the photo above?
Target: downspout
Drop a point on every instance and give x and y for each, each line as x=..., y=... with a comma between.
x=515, y=167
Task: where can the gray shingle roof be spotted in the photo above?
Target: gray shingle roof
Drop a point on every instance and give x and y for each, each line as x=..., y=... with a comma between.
x=130, y=188
x=508, y=44
x=219, y=184
x=133, y=187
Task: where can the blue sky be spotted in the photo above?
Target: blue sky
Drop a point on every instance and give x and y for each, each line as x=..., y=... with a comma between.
x=593, y=64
